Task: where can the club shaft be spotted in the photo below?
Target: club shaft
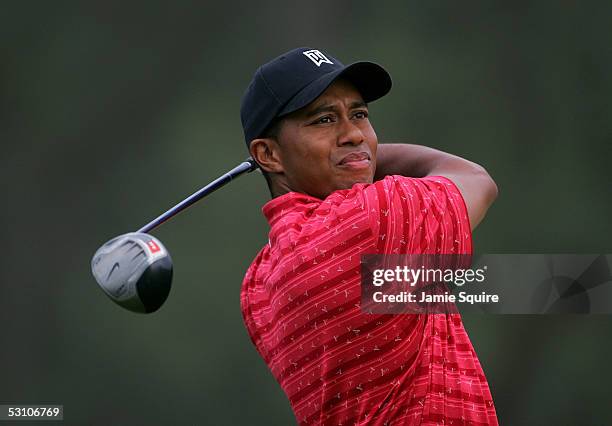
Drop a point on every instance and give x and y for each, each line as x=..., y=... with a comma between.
x=245, y=167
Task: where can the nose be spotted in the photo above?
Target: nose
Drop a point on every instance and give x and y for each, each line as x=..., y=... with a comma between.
x=349, y=134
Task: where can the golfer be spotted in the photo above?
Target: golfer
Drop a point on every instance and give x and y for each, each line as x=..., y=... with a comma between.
x=338, y=194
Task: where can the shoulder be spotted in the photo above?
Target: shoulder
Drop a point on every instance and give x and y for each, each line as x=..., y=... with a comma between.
x=434, y=185
x=419, y=213
x=392, y=194
x=402, y=192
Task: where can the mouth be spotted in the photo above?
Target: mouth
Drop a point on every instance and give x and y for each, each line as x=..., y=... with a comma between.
x=356, y=160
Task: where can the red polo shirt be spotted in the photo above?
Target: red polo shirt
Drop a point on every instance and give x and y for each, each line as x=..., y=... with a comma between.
x=300, y=302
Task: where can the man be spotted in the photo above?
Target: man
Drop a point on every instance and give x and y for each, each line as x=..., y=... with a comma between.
x=337, y=194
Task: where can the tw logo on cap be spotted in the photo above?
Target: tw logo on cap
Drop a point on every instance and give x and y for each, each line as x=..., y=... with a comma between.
x=317, y=57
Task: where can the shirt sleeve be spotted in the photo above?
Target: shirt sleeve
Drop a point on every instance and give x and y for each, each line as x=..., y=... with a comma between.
x=418, y=215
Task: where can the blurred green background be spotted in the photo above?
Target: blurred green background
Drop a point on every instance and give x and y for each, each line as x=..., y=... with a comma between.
x=110, y=112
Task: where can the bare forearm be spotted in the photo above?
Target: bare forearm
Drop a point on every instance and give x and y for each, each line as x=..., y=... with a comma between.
x=416, y=161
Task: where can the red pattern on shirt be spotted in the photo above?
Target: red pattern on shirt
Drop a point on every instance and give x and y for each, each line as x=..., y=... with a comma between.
x=338, y=366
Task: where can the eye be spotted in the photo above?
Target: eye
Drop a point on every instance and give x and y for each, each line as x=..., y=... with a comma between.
x=324, y=120
x=361, y=114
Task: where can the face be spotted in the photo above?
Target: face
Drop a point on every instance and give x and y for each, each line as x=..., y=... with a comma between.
x=329, y=144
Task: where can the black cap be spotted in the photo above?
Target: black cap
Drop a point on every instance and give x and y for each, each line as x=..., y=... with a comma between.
x=295, y=79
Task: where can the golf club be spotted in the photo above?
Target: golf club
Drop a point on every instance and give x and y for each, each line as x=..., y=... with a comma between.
x=135, y=269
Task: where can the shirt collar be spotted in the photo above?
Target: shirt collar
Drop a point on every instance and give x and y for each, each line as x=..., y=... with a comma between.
x=276, y=208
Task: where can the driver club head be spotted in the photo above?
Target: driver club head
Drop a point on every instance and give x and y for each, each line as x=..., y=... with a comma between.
x=135, y=271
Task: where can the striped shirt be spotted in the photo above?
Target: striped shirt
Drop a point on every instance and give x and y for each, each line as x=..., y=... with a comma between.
x=300, y=303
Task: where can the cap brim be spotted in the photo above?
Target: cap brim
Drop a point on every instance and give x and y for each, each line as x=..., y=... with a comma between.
x=370, y=79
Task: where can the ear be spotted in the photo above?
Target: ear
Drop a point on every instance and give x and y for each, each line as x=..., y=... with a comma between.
x=265, y=152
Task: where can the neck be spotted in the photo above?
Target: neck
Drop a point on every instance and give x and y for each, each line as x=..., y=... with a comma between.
x=280, y=187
